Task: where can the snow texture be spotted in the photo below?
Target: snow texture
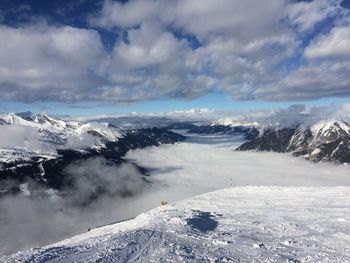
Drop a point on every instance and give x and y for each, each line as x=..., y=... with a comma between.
x=237, y=224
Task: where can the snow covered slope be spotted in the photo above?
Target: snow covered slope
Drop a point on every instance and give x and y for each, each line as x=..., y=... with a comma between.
x=242, y=224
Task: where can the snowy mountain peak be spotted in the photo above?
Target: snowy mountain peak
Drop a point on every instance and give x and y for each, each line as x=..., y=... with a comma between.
x=234, y=123
x=320, y=133
x=332, y=129
x=48, y=121
x=45, y=124
x=41, y=134
x=13, y=118
x=324, y=141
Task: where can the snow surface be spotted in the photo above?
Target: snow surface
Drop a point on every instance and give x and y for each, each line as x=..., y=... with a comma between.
x=237, y=224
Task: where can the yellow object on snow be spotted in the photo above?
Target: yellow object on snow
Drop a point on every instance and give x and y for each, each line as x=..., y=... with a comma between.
x=163, y=202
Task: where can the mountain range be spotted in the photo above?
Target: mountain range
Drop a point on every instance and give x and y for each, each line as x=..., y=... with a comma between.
x=324, y=141
x=36, y=149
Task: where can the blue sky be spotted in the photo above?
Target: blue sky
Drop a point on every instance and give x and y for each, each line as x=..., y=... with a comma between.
x=101, y=57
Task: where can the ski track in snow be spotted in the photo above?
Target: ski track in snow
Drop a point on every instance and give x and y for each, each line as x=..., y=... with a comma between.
x=252, y=224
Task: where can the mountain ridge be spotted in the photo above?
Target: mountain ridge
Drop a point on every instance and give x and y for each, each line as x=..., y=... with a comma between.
x=48, y=145
x=323, y=141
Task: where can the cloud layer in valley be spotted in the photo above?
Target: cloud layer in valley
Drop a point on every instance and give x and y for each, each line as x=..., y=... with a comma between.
x=279, y=51
x=69, y=212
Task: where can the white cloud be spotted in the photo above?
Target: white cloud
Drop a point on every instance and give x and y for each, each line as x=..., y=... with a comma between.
x=242, y=49
x=98, y=174
x=48, y=63
x=152, y=64
x=127, y=15
x=207, y=163
x=180, y=49
x=64, y=215
x=82, y=141
x=306, y=15
x=309, y=82
x=241, y=19
x=236, y=38
x=21, y=136
x=202, y=19
x=148, y=46
x=336, y=44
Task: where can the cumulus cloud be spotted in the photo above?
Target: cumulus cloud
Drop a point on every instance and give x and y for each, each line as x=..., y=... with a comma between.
x=324, y=74
x=334, y=45
x=49, y=63
x=147, y=46
x=228, y=55
x=181, y=49
x=305, y=15
x=125, y=15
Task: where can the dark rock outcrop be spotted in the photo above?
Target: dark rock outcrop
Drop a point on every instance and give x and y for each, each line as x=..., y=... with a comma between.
x=324, y=142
